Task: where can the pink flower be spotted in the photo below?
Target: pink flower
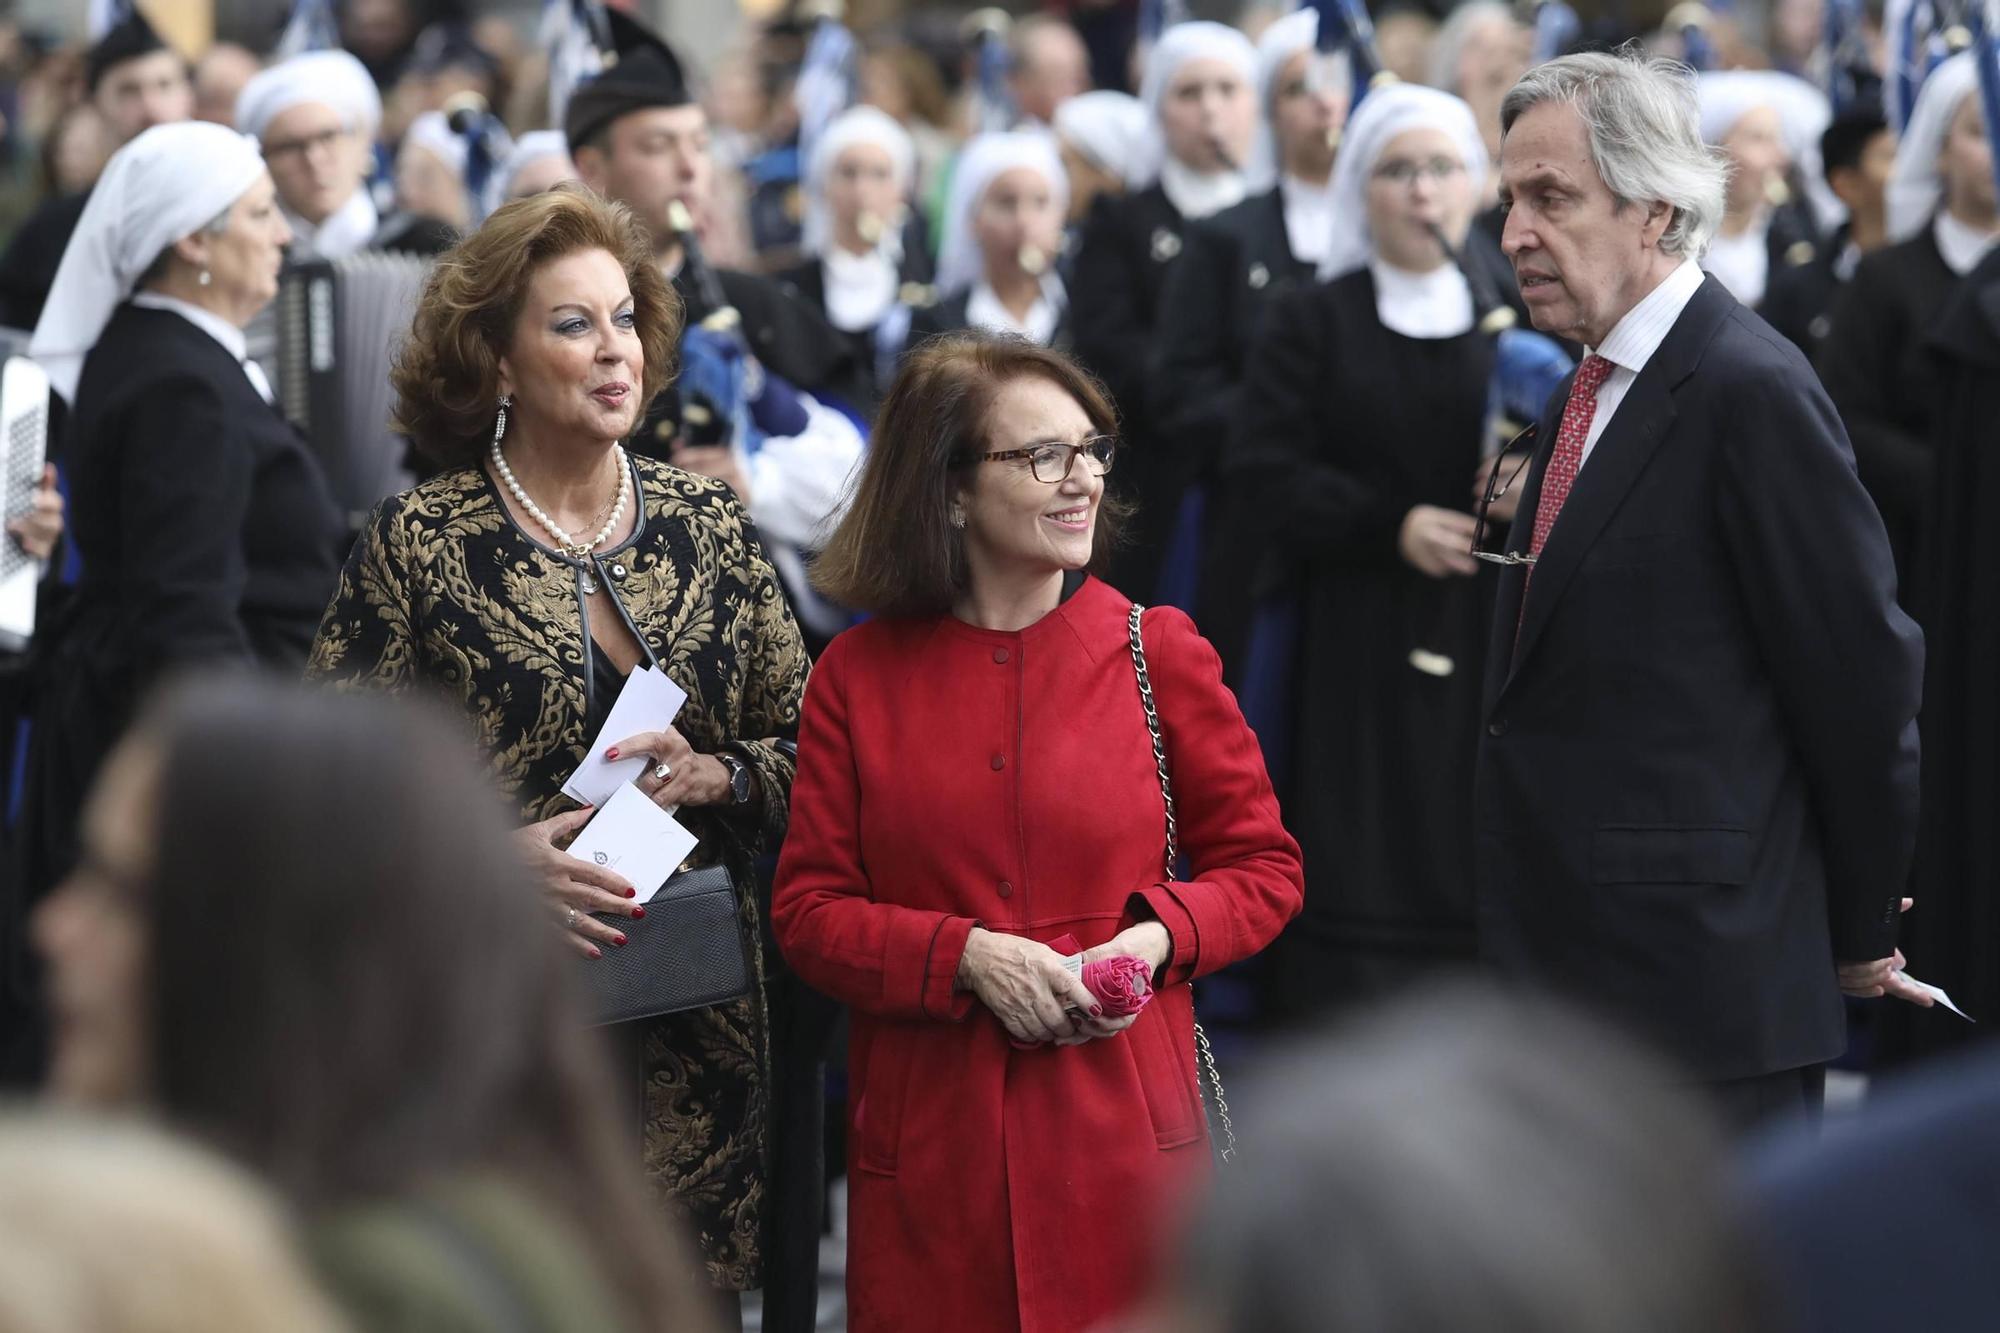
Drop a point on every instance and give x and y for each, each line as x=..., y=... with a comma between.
x=1122, y=986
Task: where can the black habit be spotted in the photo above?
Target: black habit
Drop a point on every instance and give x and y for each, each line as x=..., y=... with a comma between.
x=1344, y=427
x=1131, y=245
x=28, y=269
x=1697, y=784
x=1799, y=301
x=914, y=272
x=1233, y=268
x=1877, y=367
x=207, y=537
x=1951, y=932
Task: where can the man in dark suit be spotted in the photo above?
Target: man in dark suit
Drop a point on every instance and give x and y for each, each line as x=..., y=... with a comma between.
x=1697, y=788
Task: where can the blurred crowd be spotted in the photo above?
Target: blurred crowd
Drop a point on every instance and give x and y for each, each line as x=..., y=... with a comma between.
x=297, y=1044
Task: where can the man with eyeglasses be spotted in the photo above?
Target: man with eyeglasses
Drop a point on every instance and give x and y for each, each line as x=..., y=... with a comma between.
x=136, y=81
x=1696, y=793
x=316, y=116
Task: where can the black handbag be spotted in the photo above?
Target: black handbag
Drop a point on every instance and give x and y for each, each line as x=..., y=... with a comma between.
x=688, y=951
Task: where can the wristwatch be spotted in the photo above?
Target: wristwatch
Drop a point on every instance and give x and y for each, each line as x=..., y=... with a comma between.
x=739, y=777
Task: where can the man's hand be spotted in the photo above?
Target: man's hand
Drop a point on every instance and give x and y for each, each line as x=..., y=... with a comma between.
x=1883, y=976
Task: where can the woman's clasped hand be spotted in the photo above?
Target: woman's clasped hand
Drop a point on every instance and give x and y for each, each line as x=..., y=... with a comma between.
x=575, y=887
x=1030, y=988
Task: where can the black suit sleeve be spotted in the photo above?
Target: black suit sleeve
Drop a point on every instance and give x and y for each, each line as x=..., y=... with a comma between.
x=183, y=491
x=1858, y=362
x=1112, y=335
x=1813, y=565
x=1309, y=506
x=1196, y=372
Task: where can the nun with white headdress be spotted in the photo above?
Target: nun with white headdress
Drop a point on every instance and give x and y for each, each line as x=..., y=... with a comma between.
x=1362, y=426
x=866, y=258
x=207, y=534
x=1233, y=268
x=1200, y=94
x=1002, y=227
x=1876, y=361
x=539, y=161
x=316, y=117
x=1100, y=135
x=1768, y=126
x=434, y=205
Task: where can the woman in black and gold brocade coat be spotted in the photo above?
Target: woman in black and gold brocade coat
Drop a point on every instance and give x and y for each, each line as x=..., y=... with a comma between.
x=472, y=585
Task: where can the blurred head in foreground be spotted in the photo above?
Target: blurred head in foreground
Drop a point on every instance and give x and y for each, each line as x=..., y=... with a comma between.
x=108, y=1226
x=1468, y=1159
x=297, y=929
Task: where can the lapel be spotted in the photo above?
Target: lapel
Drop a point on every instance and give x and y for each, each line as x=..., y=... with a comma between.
x=1621, y=453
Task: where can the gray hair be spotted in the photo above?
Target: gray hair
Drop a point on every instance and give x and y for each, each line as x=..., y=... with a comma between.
x=1645, y=135
x=1473, y=1158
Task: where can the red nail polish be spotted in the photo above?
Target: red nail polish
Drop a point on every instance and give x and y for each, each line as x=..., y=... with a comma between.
x=1097, y=1011
x=638, y=914
x=631, y=893
x=611, y=753
x=594, y=953
x=620, y=941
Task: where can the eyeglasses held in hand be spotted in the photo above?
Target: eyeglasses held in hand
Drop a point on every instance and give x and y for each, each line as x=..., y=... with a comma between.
x=1052, y=462
x=1521, y=450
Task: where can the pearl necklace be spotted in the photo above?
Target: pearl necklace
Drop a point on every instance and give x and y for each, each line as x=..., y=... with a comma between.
x=570, y=547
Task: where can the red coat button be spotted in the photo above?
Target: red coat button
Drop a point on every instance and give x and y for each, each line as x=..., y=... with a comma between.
x=999, y=762
x=1000, y=655
x=1006, y=889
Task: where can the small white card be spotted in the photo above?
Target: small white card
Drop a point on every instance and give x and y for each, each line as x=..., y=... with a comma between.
x=631, y=836
x=649, y=702
x=1937, y=993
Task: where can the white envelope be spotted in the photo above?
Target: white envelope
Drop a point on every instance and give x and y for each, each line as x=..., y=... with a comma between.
x=631, y=836
x=650, y=701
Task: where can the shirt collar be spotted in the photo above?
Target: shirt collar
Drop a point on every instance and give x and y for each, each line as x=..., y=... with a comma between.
x=1960, y=246
x=984, y=309
x=343, y=232
x=214, y=325
x=1633, y=340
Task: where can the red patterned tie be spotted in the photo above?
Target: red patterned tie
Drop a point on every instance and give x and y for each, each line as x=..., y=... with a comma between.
x=1567, y=456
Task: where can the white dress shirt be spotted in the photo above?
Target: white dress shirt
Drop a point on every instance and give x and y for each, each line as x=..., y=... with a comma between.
x=345, y=231
x=216, y=327
x=1633, y=340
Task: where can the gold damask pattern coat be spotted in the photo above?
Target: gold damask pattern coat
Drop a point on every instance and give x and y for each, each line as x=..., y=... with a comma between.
x=444, y=591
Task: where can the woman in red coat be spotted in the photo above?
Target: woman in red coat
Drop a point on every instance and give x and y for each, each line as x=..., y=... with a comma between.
x=977, y=797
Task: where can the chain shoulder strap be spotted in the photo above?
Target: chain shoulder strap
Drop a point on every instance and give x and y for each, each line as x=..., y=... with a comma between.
x=1202, y=1048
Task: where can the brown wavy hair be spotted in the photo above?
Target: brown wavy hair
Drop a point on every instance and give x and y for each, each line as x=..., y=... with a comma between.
x=447, y=373
x=896, y=552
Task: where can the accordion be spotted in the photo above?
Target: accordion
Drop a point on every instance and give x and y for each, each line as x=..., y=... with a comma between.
x=333, y=331
x=24, y=440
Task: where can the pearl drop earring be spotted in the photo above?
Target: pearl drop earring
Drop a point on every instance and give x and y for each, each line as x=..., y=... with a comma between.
x=500, y=422
x=205, y=278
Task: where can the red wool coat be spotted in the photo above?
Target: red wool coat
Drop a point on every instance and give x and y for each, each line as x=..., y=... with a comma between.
x=952, y=777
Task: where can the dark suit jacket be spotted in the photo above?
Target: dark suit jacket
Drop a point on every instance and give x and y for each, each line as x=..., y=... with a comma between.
x=1697, y=786
x=1926, y=1149
x=948, y=316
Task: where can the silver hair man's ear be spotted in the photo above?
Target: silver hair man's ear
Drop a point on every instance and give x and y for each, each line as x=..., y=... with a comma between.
x=1645, y=135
